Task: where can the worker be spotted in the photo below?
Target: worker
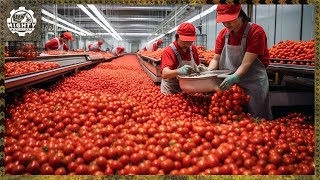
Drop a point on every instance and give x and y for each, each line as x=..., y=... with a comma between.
x=179, y=58
x=95, y=46
x=153, y=46
x=157, y=44
x=117, y=51
x=59, y=43
x=242, y=47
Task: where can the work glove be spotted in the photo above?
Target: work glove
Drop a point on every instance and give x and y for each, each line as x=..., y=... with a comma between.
x=185, y=70
x=229, y=81
x=201, y=68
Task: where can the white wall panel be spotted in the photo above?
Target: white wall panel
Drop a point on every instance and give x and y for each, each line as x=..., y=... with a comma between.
x=264, y=15
x=210, y=25
x=308, y=22
x=288, y=25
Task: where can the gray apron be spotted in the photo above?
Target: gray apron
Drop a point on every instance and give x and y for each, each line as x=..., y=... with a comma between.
x=254, y=82
x=171, y=86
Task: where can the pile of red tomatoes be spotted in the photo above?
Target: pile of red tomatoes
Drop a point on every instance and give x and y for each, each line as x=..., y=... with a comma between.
x=24, y=67
x=113, y=120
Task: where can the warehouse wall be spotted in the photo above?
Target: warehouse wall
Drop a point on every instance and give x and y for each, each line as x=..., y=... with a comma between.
x=308, y=22
x=280, y=22
x=134, y=47
x=288, y=23
x=264, y=15
x=283, y=22
x=111, y=43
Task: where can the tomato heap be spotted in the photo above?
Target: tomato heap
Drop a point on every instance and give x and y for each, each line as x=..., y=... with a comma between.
x=23, y=67
x=80, y=52
x=301, y=50
x=54, y=52
x=206, y=54
x=112, y=119
x=153, y=54
x=106, y=55
x=226, y=105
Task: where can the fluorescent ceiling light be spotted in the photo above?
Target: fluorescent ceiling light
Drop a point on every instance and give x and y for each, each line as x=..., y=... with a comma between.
x=65, y=22
x=129, y=34
x=96, y=20
x=100, y=16
x=174, y=29
x=204, y=13
x=62, y=26
x=158, y=37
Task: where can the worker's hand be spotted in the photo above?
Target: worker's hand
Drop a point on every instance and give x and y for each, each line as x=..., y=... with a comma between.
x=229, y=81
x=185, y=70
x=201, y=68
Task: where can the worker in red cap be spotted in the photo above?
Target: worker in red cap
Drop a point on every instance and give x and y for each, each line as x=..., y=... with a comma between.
x=157, y=44
x=59, y=43
x=117, y=51
x=179, y=58
x=242, y=47
x=95, y=46
x=153, y=46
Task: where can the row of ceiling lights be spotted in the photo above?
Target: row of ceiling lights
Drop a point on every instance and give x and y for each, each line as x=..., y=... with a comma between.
x=102, y=22
x=106, y=25
x=204, y=13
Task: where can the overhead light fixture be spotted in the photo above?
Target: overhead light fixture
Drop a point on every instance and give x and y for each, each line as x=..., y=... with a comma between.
x=62, y=26
x=174, y=29
x=203, y=14
x=65, y=22
x=100, y=16
x=158, y=37
x=96, y=20
x=129, y=34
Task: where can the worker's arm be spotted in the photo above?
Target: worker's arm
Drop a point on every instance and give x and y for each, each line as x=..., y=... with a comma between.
x=168, y=73
x=65, y=47
x=247, y=61
x=214, y=63
x=184, y=70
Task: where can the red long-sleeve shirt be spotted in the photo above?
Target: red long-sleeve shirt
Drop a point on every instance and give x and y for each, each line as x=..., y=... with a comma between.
x=53, y=45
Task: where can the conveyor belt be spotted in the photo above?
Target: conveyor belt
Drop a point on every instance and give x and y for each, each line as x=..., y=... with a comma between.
x=152, y=61
x=152, y=70
x=291, y=68
x=13, y=59
x=34, y=78
x=150, y=74
x=64, y=60
x=280, y=98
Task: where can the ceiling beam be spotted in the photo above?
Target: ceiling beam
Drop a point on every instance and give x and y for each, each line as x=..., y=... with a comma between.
x=123, y=7
x=119, y=18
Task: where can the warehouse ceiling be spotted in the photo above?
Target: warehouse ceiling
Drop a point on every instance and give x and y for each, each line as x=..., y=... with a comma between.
x=130, y=22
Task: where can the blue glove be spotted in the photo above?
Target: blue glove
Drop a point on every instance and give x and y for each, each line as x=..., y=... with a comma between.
x=185, y=70
x=229, y=81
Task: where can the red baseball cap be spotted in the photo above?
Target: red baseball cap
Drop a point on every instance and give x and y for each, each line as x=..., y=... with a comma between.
x=68, y=36
x=100, y=42
x=159, y=41
x=187, y=32
x=227, y=12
